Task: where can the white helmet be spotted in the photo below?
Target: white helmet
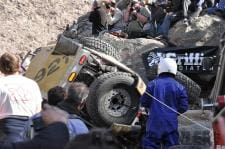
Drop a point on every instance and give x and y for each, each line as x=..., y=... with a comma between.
x=168, y=65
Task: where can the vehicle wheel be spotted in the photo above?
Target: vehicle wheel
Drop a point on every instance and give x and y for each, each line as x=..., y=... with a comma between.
x=113, y=99
x=193, y=89
x=101, y=46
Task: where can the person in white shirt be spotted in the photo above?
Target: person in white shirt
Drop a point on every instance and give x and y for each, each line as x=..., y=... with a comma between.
x=20, y=98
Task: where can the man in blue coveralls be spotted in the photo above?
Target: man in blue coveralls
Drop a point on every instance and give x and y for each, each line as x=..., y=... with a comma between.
x=162, y=123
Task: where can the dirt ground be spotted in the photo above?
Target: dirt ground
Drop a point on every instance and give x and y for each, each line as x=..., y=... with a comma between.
x=29, y=24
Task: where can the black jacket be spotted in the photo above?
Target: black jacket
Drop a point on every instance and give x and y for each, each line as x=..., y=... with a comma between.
x=95, y=18
x=55, y=136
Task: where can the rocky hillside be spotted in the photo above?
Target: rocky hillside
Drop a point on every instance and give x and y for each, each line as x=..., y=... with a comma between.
x=29, y=24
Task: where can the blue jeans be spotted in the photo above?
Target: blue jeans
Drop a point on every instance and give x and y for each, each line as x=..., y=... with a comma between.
x=163, y=29
x=14, y=129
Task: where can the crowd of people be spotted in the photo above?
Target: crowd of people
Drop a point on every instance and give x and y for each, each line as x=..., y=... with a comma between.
x=148, y=18
x=29, y=121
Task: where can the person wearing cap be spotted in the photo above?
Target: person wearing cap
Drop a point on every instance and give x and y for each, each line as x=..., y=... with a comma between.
x=162, y=123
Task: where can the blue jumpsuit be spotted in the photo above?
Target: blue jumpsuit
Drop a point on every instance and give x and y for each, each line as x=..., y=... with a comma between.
x=162, y=123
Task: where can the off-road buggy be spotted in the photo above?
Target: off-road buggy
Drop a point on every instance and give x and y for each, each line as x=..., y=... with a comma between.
x=114, y=88
x=76, y=30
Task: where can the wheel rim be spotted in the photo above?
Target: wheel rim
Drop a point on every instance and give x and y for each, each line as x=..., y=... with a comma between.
x=117, y=102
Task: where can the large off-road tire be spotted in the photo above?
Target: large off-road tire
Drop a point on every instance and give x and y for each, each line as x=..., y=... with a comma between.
x=101, y=46
x=113, y=99
x=193, y=89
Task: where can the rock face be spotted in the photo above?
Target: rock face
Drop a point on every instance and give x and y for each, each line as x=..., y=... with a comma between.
x=29, y=24
x=205, y=30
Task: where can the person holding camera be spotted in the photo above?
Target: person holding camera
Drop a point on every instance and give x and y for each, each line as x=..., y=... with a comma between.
x=137, y=17
x=114, y=17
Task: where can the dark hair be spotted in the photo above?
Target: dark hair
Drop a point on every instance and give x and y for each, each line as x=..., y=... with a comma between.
x=96, y=139
x=55, y=95
x=77, y=92
x=113, y=4
x=9, y=63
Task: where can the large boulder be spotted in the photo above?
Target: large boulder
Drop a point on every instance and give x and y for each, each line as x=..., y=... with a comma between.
x=204, y=30
x=131, y=50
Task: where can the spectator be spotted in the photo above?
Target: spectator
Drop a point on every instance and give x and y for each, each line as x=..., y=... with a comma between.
x=137, y=17
x=95, y=18
x=75, y=124
x=77, y=94
x=102, y=10
x=76, y=97
x=96, y=139
x=56, y=95
x=122, y=4
x=195, y=6
x=20, y=98
x=162, y=123
x=157, y=18
x=114, y=18
x=54, y=136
